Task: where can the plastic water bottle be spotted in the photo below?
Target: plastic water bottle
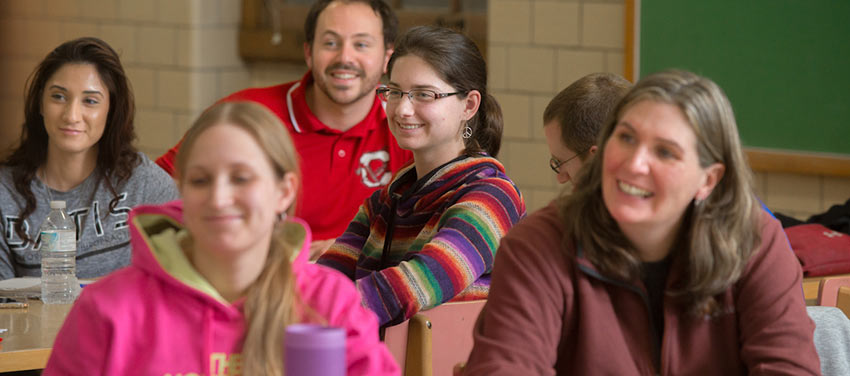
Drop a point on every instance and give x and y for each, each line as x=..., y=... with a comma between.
x=58, y=252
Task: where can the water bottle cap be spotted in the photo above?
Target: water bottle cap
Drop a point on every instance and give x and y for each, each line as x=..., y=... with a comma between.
x=314, y=336
x=58, y=204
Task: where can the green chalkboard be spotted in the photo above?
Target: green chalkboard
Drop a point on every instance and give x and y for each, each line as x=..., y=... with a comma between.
x=784, y=64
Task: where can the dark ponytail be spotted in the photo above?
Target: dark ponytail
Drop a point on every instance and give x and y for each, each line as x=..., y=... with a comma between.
x=486, y=127
x=459, y=63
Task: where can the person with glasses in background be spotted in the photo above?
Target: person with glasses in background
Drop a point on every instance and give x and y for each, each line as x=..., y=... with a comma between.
x=431, y=235
x=573, y=118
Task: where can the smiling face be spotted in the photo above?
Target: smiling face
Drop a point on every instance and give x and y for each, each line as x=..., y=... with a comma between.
x=431, y=130
x=74, y=106
x=650, y=168
x=348, y=55
x=231, y=193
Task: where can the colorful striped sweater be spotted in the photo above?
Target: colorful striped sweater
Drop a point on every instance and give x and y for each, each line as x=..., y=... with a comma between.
x=444, y=230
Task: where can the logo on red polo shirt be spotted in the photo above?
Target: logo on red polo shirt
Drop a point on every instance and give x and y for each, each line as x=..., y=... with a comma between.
x=374, y=169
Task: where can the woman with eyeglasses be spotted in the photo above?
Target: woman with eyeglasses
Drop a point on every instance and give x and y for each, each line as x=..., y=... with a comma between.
x=431, y=235
x=573, y=118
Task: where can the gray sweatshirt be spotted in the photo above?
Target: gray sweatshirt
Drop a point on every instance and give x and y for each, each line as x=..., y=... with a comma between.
x=832, y=340
x=103, y=237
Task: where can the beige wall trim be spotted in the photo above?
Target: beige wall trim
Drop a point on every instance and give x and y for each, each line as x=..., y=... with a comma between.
x=806, y=163
x=631, y=49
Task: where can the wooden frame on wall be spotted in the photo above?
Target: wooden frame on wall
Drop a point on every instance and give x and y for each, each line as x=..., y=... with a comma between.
x=256, y=32
x=760, y=159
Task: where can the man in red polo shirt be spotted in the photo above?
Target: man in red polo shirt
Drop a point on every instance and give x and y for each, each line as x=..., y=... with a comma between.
x=336, y=121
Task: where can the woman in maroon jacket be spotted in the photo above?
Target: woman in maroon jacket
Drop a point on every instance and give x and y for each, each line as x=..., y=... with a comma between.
x=660, y=263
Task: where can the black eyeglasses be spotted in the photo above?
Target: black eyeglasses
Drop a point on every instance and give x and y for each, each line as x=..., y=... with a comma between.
x=555, y=164
x=415, y=95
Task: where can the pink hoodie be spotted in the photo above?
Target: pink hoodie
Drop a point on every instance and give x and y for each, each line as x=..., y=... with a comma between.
x=144, y=320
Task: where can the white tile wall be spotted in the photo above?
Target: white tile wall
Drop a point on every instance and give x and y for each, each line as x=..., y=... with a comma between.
x=536, y=48
x=171, y=89
x=64, y=9
x=122, y=38
x=230, y=12
x=509, y=21
x=531, y=69
x=15, y=72
x=835, y=191
x=157, y=45
x=602, y=25
x=568, y=39
x=23, y=8
x=144, y=84
x=536, y=199
x=792, y=193
x=497, y=67
x=556, y=23
x=9, y=134
x=573, y=64
x=98, y=9
x=232, y=81
x=516, y=114
x=204, y=86
x=265, y=74
x=155, y=128
x=177, y=12
x=614, y=62
x=527, y=165
x=538, y=106
x=135, y=10
x=78, y=29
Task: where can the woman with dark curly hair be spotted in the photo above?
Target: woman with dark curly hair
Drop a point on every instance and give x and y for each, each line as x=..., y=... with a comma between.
x=77, y=146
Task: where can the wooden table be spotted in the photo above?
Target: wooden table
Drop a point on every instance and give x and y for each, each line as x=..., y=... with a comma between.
x=27, y=343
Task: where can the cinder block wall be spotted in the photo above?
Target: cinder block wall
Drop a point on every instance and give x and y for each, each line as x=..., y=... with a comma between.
x=537, y=48
x=182, y=55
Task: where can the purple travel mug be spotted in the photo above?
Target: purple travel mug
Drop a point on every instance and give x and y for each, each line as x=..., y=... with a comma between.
x=314, y=350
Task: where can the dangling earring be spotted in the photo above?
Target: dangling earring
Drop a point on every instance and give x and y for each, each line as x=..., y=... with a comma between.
x=467, y=131
x=281, y=217
x=698, y=203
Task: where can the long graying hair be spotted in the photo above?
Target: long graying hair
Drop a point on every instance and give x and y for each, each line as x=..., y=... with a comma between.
x=717, y=237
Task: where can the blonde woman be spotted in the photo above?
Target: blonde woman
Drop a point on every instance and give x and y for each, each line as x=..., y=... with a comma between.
x=215, y=279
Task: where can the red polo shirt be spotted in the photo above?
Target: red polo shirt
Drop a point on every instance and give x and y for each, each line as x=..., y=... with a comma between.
x=339, y=169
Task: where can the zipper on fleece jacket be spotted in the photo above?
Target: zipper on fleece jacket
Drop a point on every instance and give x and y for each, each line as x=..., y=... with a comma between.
x=656, y=346
x=396, y=197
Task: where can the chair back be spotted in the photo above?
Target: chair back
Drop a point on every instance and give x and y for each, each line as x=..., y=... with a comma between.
x=451, y=333
x=395, y=338
x=433, y=341
x=829, y=288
